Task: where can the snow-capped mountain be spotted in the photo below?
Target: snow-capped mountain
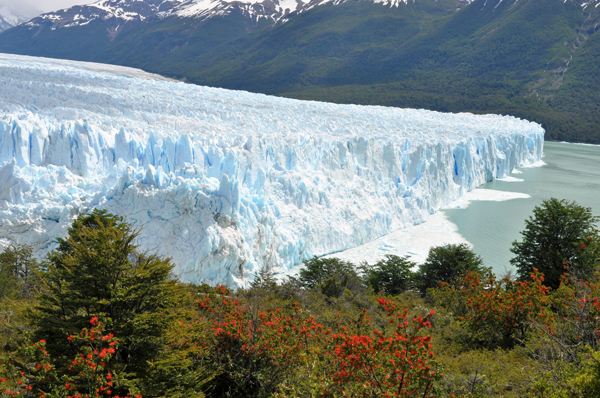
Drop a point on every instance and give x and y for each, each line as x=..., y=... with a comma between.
x=113, y=11
x=119, y=12
x=123, y=11
x=272, y=10
x=13, y=14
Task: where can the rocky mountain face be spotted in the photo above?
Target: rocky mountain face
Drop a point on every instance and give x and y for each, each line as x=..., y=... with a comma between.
x=535, y=59
x=114, y=14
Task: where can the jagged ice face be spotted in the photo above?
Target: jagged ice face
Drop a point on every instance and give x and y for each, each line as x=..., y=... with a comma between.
x=227, y=182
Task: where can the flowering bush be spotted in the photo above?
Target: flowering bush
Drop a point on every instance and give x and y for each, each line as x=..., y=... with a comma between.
x=397, y=362
x=254, y=349
x=575, y=322
x=497, y=312
x=258, y=351
x=31, y=372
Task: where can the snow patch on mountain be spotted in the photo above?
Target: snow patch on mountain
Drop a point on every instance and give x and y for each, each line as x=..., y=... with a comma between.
x=117, y=11
x=123, y=11
x=228, y=182
x=275, y=10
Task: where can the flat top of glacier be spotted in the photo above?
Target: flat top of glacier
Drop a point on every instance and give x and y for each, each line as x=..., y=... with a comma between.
x=114, y=97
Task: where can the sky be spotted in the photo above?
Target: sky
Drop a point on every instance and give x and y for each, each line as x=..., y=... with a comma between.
x=53, y=5
x=48, y=5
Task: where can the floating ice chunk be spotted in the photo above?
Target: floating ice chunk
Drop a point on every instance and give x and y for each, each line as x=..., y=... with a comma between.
x=511, y=179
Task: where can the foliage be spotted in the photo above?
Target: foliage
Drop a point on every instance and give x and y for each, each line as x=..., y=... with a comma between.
x=259, y=351
x=393, y=275
x=394, y=362
x=264, y=279
x=254, y=350
x=303, y=337
x=577, y=316
x=332, y=275
x=497, y=313
x=180, y=369
x=17, y=277
x=97, y=272
x=18, y=284
x=558, y=234
x=32, y=372
x=15, y=326
x=567, y=337
x=447, y=264
x=587, y=381
x=553, y=334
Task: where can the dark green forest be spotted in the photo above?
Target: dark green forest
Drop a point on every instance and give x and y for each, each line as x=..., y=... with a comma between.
x=534, y=59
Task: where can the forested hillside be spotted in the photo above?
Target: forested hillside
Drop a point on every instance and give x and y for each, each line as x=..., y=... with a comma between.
x=535, y=59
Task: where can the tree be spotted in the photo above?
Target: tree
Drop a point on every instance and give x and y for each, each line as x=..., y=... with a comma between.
x=17, y=265
x=332, y=275
x=264, y=279
x=392, y=275
x=447, y=264
x=96, y=271
x=557, y=235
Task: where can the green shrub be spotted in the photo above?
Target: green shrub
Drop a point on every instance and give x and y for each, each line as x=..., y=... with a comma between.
x=393, y=275
x=558, y=234
x=447, y=264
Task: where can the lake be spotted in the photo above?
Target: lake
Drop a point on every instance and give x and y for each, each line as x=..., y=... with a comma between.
x=571, y=172
x=491, y=217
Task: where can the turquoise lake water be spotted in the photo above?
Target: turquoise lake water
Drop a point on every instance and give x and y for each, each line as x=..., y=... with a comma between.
x=571, y=172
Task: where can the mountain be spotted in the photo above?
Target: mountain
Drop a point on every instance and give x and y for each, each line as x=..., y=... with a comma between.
x=535, y=59
x=13, y=14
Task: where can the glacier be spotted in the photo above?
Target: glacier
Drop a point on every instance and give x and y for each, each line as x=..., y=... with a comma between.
x=229, y=182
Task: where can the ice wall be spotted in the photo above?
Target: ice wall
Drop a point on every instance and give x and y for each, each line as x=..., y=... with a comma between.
x=226, y=182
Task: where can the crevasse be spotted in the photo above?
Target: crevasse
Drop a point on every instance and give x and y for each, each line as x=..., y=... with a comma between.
x=227, y=182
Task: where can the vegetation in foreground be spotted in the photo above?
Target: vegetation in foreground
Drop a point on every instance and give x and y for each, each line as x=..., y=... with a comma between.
x=99, y=318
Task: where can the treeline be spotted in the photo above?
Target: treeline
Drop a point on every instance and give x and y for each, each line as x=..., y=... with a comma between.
x=99, y=318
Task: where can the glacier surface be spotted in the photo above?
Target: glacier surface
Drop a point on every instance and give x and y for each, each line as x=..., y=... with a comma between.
x=227, y=182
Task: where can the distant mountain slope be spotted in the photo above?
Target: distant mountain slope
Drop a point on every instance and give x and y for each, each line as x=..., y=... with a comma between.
x=536, y=59
x=12, y=15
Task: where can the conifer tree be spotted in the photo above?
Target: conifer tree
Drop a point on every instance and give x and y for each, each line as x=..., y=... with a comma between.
x=17, y=276
x=97, y=271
